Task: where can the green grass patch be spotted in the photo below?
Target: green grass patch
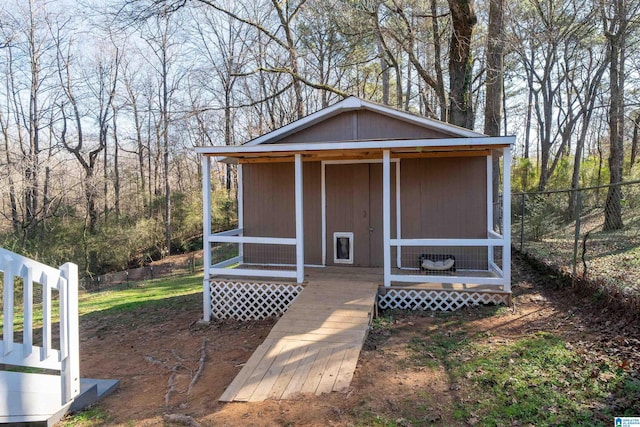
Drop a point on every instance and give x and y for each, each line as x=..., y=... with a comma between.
x=133, y=296
x=538, y=380
x=94, y=416
x=156, y=294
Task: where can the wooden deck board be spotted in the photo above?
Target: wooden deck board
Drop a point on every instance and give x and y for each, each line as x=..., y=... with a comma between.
x=300, y=376
x=297, y=356
x=314, y=347
x=315, y=373
x=245, y=372
x=258, y=372
x=330, y=372
x=347, y=369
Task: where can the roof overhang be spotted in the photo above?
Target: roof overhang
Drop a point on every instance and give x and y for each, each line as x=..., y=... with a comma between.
x=359, y=149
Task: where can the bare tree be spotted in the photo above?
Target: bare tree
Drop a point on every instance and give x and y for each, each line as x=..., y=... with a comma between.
x=463, y=19
x=160, y=35
x=615, y=19
x=495, y=69
x=635, y=140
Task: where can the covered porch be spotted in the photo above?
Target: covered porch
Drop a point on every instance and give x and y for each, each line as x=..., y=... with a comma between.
x=412, y=268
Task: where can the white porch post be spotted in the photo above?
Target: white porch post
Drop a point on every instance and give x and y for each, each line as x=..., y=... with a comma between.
x=69, y=322
x=386, y=215
x=323, y=209
x=240, y=195
x=506, y=217
x=299, y=220
x=206, y=233
x=398, y=216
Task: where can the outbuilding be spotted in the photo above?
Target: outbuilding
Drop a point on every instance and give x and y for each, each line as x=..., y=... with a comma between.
x=362, y=186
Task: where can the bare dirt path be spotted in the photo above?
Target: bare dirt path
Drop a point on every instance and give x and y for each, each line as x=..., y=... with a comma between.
x=156, y=353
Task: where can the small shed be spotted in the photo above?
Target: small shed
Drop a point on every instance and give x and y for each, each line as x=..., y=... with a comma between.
x=362, y=185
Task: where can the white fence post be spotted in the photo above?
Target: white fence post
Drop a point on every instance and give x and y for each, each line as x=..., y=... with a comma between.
x=69, y=312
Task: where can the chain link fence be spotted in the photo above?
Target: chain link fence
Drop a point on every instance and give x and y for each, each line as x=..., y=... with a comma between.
x=578, y=233
x=189, y=265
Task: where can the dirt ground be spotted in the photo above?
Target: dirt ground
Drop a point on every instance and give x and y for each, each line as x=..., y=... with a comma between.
x=156, y=356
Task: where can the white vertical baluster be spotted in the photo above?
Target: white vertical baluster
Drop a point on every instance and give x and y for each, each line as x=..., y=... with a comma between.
x=27, y=293
x=7, y=328
x=46, y=318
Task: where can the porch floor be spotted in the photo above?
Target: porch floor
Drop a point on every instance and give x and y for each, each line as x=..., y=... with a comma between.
x=314, y=347
x=343, y=274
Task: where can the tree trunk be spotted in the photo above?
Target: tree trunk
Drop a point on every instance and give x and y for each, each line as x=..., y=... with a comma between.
x=495, y=71
x=437, y=61
x=13, y=202
x=613, y=206
x=635, y=140
x=116, y=167
x=46, y=202
x=285, y=21
x=31, y=170
x=463, y=19
x=384, y=67
x=165, y=149
x=227, y=132
x=105, y=184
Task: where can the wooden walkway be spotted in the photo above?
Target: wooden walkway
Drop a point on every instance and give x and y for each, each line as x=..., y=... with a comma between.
x=314, y=347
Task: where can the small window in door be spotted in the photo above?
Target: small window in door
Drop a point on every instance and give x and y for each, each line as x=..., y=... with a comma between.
x=343, y=248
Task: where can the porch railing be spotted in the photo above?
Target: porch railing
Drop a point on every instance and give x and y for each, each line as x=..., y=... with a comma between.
x=25, y=354
x=236, y=236
x=494, y=240
x=222, y=268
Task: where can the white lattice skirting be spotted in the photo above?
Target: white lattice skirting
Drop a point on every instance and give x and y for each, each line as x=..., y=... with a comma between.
x=251, y=301
x=424, y=299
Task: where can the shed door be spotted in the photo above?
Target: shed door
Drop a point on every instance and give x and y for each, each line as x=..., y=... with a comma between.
x=354, y=205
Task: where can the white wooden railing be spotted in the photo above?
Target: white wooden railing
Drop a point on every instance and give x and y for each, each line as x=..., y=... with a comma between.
x=25, y=354
x=222, y=268
x=493, y=240
x=236, y=236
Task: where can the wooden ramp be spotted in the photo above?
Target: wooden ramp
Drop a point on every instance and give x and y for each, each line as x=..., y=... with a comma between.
x=314, y=347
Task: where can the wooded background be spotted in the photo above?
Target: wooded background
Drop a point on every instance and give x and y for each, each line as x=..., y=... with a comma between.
x=101, y=103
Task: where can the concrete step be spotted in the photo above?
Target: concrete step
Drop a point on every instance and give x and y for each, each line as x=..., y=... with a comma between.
x=34, y=399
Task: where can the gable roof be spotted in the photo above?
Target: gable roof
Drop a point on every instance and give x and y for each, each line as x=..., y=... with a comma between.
x=354, y=103
x=282, y=144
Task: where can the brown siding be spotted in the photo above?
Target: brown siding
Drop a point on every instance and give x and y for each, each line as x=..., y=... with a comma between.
x=312, y=213
x=269, y=211
x=355, y=125
x=337, y=128
x=378, y=126
x=375, y=202
x=444, y=198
